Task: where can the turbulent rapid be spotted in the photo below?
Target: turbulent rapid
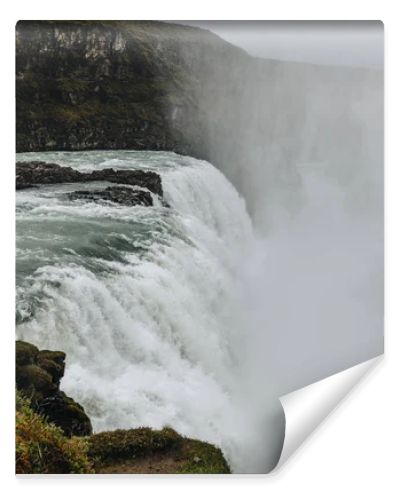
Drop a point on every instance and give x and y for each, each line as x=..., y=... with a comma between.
x=141, y=298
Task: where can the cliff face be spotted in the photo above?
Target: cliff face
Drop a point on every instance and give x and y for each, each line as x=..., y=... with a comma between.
x=115, y=85
x=159, y=86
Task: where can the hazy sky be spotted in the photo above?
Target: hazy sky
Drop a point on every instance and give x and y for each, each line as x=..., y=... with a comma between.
x=350, y=43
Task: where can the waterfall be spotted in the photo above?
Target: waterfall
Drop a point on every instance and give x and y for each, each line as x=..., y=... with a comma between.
x=144, y=301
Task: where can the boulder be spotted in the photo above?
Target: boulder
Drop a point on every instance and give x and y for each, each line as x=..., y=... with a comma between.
x=35, y=382
x=38, y=375
x=26, y=354
x=66, y=413
x=53, y=362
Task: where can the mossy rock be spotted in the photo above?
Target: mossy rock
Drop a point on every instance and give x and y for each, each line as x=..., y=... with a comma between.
x=202, y=458
x=50, y=362
x=55, y=370
x=66, y=413
x=25, y=353
x=35, y=382
x=53, y=362
x=56, y=356
x=38, y=375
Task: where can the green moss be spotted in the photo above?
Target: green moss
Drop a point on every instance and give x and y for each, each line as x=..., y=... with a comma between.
x=107, y=447
x=25, y=353
x=191, y=456
x=202, y=458
x=42, y=448
x=34, y=381
x=72, y=85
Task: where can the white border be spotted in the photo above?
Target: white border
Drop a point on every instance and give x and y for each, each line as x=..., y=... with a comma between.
x=356, y=454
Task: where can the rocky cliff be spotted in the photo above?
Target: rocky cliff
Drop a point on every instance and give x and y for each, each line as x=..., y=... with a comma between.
x=115, y=85
x=161, y=86
x=38, y=375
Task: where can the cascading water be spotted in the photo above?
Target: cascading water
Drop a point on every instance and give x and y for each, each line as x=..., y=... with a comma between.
x=187, y=315
x=142, y=300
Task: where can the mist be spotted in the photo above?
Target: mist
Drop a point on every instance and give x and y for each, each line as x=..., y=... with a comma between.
x=303, y=144
x=338, y=43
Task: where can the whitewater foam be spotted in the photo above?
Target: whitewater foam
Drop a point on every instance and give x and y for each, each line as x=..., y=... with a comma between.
x=141, y=300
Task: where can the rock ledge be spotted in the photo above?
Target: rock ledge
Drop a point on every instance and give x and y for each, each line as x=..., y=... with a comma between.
x=34, y=173
x=38, y=375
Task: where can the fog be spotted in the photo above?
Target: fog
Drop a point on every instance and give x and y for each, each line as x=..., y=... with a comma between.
x=340, y=43
x=303, y=143
x=314, y=292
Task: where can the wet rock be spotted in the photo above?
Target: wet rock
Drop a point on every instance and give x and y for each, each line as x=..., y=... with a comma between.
x=66, y=413
x=145, y=179
x=29, y=174
x=38, y=375
x=119, y=194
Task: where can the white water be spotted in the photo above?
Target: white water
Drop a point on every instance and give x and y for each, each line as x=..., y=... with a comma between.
x=144, y=301
x=183, y=316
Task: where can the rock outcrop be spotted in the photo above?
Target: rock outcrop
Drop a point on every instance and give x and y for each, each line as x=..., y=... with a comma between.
x=118, y=194
x=144, y=183
x=38, y=375
x=46, y=449
x=29, y=174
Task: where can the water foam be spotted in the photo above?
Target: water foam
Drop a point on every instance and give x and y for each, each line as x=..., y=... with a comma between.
x=145, y=314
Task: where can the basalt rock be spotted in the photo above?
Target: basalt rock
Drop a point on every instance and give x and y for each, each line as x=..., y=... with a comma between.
x=31, y=173
x=118, y=194
x=115, y=85
x=34, y=173
x=38, y=375
x=66, y=413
